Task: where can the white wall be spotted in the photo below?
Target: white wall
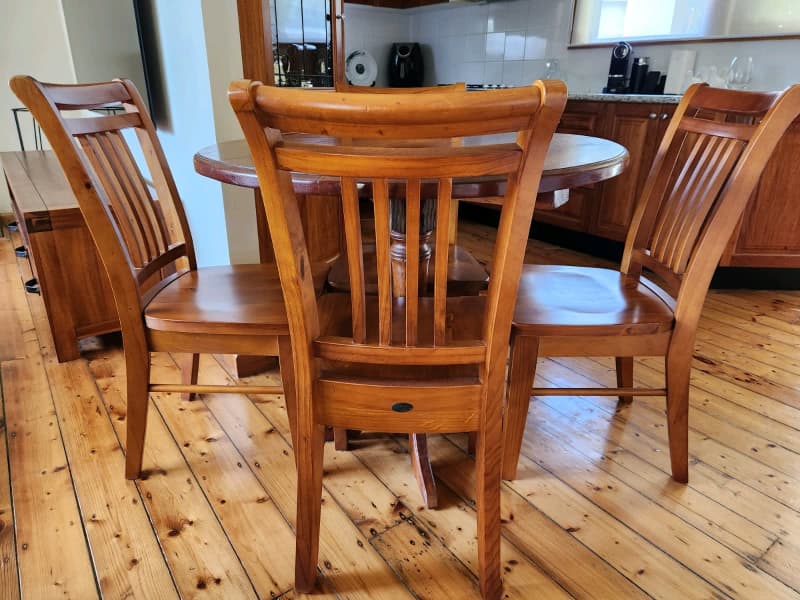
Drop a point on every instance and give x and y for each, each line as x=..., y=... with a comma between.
x=184, y=115
x=22, y=27
x=224, y=65
x=100, y=53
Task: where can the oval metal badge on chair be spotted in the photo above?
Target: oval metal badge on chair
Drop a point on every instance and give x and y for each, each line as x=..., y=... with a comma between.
x=402, y=407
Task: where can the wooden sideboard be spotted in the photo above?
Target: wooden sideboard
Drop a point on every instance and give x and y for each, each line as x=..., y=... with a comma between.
x=769, y=232
x=63, y=265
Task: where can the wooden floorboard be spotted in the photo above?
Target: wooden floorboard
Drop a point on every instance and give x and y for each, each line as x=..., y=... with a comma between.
x=593, y=513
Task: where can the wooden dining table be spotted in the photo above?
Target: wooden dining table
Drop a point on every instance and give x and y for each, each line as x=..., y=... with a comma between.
x=572, y=161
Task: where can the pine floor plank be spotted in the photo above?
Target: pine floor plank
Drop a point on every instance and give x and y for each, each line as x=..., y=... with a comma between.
x=51, y=547
x=743, y=438
x=12, y=344
x=9, y=576
x=569, y=541
x=591, y=414
x=237, y=498
x=196, y=548
x=430, y=570
x=783, y=562
x=649, y=417
x=697, y=551
x=718, y=521
x=454, y=522
x=127, y=556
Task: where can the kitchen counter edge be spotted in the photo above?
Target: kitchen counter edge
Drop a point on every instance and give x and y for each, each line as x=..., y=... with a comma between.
x=632, y=98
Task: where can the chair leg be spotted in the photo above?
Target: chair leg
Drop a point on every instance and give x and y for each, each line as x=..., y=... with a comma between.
x=524, y=351
x=286, y=364
x=137, y=368
x=308, y=456
x=341, y=439
x=624, y=366
x=678, y=370
x=488, y=465
x=190, y=367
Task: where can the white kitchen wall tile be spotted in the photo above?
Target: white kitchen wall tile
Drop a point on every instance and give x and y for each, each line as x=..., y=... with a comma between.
x=493, y=72
x=509, y=15
x=495, y=45
x=515, y=46
x=472, y=73
x=475, y=47
x=513, y=73
x=535, y=46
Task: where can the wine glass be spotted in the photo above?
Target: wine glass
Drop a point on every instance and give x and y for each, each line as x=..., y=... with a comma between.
x=739, y=73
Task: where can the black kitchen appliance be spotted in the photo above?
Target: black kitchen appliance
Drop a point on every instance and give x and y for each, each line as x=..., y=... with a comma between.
x=406, y=67
x=619, y=68
x=638, y=74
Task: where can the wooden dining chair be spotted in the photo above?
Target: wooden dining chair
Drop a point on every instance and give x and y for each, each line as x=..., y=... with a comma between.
x=165, y=303
x=398, y=363
x=706, y=168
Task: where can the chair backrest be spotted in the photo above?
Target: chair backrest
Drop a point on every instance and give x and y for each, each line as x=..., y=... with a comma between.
x=399, y=170
x=143, y=240
x=705, y=170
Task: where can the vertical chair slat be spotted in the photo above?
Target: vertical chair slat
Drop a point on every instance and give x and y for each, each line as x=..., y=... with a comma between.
x=681, y=203
x=732, y=150
x=380, y=194
x=443, y=237
x=156, y=228
x=355, y=257
x=682, y=188
x=126, y=193
x=129, y=174
x=412, y=259
x=114, y=192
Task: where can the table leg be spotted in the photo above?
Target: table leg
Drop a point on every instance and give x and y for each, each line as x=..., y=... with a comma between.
x=253, y=365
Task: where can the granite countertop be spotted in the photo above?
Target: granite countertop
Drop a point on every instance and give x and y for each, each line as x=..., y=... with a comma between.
x=639, y=98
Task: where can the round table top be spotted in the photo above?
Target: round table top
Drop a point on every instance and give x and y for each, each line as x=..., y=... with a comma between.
x=572, y=161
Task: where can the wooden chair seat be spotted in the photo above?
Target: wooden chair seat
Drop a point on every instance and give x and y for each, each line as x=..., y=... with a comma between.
x=567, y=300
x=237, y=299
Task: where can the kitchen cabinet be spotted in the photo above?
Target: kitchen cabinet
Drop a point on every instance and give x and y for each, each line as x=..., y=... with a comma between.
x=605, y=209
x=768, y=234
x=638, y=127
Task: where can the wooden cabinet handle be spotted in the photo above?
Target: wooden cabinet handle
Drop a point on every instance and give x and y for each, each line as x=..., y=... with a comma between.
x=664, y=116
x=652, y=116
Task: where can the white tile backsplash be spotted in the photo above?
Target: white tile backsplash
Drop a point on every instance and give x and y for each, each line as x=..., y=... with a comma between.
x=508, y=42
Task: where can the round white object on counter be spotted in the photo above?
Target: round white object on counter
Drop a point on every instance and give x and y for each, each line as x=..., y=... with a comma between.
x=360, y=68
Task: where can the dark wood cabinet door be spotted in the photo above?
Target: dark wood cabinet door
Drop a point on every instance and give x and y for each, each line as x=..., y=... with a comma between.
x=769, y=234
x=583, y=118
x=638, y=127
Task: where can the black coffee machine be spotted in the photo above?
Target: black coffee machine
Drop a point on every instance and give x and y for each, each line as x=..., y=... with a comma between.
x=619, y=69
x=406, y=68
